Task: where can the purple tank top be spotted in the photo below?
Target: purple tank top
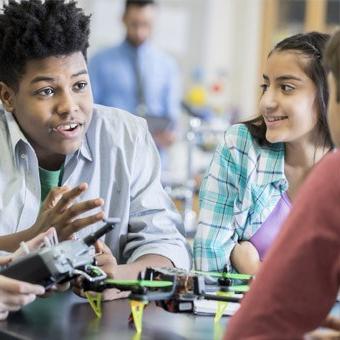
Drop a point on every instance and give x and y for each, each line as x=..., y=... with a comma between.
x=264, y=237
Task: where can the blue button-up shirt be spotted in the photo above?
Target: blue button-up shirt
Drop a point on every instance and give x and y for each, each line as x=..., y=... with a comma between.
x=120, y=163
x=114, y=81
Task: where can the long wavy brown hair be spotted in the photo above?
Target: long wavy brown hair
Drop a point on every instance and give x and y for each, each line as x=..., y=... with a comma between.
x=311, y=45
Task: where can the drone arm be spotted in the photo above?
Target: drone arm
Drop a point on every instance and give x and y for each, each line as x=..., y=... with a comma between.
x=222, y=298
x=153, y=296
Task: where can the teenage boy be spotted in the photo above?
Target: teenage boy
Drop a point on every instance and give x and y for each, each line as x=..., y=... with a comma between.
x=51, y=134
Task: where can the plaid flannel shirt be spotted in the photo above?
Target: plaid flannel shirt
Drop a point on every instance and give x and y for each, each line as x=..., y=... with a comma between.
x=241, y=188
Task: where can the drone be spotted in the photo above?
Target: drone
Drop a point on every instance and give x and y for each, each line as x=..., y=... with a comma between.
x=173, y=289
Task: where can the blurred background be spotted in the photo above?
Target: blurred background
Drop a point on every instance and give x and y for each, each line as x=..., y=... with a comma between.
x=220, y=47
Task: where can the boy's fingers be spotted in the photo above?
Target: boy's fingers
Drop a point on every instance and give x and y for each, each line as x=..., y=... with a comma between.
x=98, y=247
x=83, y=207
x=114, y=294
x=104, y=259
x=68, y=197
x=54, y=196
x=104, y=248
x=101, y=247
x=79, y=224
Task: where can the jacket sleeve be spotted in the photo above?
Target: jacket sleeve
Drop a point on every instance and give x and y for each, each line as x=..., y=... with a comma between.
x=155, y=227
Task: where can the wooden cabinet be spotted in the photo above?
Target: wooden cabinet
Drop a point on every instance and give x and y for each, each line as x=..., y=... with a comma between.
x=282, y=18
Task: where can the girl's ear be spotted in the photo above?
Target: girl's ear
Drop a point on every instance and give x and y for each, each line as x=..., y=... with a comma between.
x=6, y=97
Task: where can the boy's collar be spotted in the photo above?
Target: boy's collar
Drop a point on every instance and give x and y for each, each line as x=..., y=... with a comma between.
x=15, y=133
x=85, y=150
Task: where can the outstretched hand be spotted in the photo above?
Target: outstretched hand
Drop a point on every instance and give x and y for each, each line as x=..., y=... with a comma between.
x=60, y=211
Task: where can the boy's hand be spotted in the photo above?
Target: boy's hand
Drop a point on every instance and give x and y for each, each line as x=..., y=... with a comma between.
x=104, y=259
x=108, y=263
x=60, y=211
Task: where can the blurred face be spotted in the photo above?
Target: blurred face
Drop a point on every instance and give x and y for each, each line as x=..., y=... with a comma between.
x=53, y=106
x=333, y=111
x=288, y=103
x=139, y=23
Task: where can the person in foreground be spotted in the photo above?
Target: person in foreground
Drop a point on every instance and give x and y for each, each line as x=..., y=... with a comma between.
x=51, y=134
x=15, y=294
x=256, y=173
x=299, y=280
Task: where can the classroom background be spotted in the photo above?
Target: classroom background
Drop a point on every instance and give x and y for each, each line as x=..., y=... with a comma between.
x=220, y=47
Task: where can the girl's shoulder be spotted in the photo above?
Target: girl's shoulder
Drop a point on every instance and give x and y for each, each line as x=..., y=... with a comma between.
x=240, y=145
x=238, y=140
x=238, y=133
x=238, y=136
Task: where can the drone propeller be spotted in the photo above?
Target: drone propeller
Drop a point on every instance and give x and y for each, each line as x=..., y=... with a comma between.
x=236, y=289
x=233, y=276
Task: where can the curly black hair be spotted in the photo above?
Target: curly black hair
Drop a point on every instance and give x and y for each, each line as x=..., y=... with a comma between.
x=36, y=29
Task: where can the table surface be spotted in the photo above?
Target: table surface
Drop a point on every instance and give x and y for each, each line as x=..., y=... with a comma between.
x=66, y=316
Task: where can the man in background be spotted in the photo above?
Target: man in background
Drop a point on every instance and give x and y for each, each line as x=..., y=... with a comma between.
x=138, y=77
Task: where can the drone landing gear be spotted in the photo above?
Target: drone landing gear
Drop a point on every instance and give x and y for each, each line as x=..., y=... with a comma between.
x=221, y=305
x=95, y=302
x=137, y=308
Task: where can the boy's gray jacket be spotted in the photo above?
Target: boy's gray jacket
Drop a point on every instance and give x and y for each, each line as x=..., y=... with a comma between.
x=119, y=161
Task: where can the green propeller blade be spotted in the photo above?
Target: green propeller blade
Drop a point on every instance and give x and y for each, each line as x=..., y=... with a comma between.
x=141, y=283
x=233, y=276
x=238, y=289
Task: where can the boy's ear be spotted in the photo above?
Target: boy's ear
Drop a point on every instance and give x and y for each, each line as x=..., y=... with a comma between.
x=6, y=97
